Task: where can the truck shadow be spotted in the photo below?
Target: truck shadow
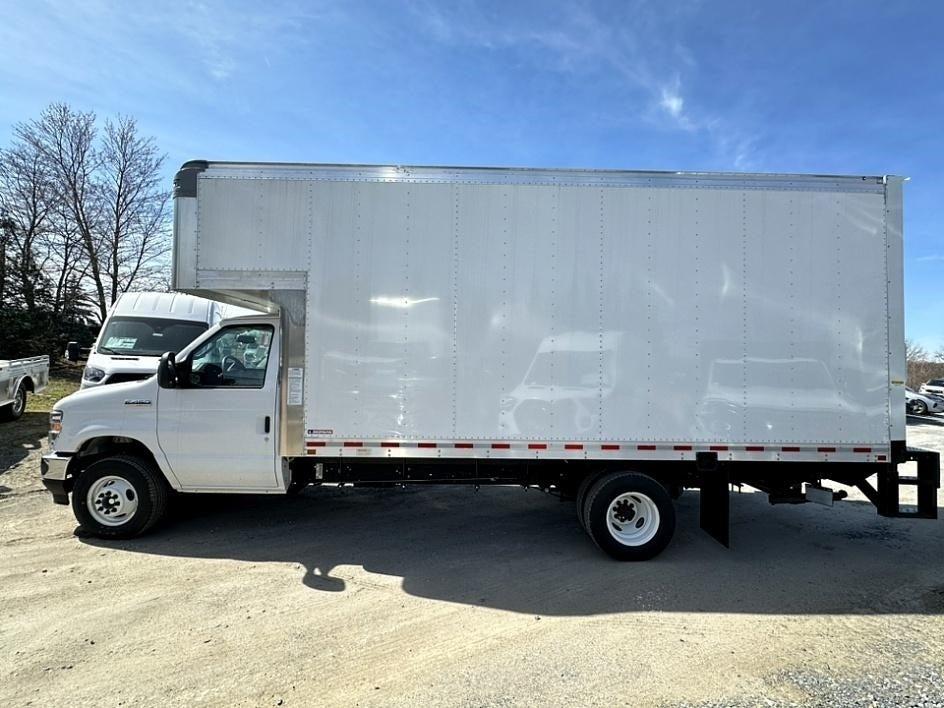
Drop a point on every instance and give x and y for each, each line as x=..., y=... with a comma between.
x=525, y=552
x=18, y=438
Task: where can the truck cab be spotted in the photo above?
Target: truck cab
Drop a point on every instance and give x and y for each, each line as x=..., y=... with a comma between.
x=206, y=423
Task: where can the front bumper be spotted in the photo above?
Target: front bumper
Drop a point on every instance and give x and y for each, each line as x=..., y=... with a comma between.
x=54, y=470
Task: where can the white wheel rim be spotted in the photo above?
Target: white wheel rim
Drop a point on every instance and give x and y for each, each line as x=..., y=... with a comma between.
x=632, y=519
x=112, y=501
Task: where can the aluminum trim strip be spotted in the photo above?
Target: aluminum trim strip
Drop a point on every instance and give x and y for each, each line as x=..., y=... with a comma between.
x=543, y=176
x=532, y=449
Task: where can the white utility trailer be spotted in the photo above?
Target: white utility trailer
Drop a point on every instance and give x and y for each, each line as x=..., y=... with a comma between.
x=18, y=377
x=610, y=336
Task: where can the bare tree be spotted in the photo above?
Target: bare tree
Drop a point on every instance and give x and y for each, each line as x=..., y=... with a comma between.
x=109, y=202
x=6, y=237
x=136, y=216
x=921, y=368
x=25, y=200
x=66, y=140
x=914, y=351
x=64, y=257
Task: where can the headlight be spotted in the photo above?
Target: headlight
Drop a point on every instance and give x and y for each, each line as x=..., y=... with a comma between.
x=92, y=374
x=55, y=425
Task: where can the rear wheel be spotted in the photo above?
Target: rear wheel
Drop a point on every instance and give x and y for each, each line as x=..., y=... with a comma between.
x=14, y=410
x=629, y=516
x=119, y=497
x=581, y=497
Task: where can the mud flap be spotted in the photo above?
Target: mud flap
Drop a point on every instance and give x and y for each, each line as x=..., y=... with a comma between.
x=715, y=502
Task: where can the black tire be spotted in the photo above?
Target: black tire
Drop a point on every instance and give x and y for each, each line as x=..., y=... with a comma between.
x=919, y=407
x=581, y=497
x=649, y=493
x=15, y=410
x=150, y=492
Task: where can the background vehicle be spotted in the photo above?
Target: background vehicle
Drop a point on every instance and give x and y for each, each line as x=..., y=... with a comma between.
x=611, y=337
x=919, y=404
x=933, y=387
x=18, y=377
x=141, y=327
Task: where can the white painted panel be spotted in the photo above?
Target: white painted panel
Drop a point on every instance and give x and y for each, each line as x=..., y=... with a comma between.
x=380, y=302
x=645, y=312
x=633, y=346
x=253, y=223
x=897, y=366
x=551, y=283
x=503, y=240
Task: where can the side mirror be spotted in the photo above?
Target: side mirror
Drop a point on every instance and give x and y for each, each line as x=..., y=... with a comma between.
x=167, y=371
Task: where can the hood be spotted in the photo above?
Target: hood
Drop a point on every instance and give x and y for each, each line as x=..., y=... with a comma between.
x=115, y=363
x=106, y=410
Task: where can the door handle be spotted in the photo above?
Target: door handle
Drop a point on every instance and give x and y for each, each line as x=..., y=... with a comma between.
x=268, y=424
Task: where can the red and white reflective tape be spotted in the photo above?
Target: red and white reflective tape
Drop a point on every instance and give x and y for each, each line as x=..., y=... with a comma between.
x=429, y=448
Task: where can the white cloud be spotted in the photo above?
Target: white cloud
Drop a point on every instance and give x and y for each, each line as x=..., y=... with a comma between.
x=931, y=257
x=671, y=102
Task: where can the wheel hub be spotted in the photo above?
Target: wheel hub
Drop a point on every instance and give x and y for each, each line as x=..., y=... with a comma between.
x=625, y=511
x=112, y=501
x=108, y=502
x=633, y=519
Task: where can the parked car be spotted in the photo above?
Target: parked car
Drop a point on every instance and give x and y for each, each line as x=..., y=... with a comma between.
x=933, y=387
x=17, y=378
x=918, y=404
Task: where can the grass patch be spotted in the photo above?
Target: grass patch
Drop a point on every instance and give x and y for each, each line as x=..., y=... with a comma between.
x=63, y=380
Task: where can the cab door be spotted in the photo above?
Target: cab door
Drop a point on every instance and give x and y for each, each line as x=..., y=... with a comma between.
x=217, y=428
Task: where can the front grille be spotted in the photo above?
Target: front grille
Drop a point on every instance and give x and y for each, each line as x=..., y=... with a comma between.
x=122, y=378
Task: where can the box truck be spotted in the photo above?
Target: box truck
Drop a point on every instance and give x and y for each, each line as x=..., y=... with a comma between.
x=610, y=337
x=142, y=326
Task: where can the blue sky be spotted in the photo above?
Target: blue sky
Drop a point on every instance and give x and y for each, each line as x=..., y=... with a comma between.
x=854, y=87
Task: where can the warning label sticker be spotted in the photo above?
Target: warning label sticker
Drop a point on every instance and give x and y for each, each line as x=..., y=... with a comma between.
x=296, y=385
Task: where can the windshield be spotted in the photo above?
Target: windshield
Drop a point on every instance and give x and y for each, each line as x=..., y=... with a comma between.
x=147, y=336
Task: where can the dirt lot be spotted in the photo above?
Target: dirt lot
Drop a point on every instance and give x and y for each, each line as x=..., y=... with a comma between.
x=448, y=597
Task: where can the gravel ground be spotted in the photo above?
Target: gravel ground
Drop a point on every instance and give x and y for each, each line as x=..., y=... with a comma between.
x=918, y=685
x=442, y=596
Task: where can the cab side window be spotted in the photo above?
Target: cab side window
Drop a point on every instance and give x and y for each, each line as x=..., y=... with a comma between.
x=236, y=356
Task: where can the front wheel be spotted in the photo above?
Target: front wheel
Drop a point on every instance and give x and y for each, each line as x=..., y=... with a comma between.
x=119, y=497
x=919, y=407
x=629, y=516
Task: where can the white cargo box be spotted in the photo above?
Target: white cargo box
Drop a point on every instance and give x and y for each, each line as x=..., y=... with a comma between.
x=458, y=312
